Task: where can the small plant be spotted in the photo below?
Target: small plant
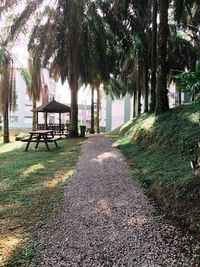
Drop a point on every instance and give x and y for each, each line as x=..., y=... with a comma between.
x=189, y=81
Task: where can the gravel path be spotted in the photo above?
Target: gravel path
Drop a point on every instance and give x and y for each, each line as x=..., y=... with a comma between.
x=108, y=221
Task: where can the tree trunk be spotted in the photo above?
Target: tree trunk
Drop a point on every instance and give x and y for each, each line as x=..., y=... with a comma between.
x=179, y=97
x=98, y=109
x=92, y=131
x=139, y=101
x=154, y=56
x=73, y=77
x=134, y=103
x=6, y=136
x=162, y=103
x=140, y=84
x=73, y=129
x=146, y=89
x=34, y=121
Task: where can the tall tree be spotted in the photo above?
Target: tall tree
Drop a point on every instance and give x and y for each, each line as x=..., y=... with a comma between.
x=98, y=108
x=154, y=55
x=7, y=90
x=35, y=88
x=76, y=40
x=162, y=103
x=59, y=41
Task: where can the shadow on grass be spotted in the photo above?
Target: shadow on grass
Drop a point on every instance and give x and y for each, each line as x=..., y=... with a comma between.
x=31, y=186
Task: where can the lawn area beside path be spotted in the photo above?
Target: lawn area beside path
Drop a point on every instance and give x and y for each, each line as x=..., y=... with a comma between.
x=31, y=189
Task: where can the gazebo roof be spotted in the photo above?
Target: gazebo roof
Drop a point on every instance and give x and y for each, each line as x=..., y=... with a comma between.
x=54, y=107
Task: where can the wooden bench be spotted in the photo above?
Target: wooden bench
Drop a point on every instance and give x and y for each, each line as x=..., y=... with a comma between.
x=27, y=139
x=53, y=139
x=41, y=136
x=49, y=139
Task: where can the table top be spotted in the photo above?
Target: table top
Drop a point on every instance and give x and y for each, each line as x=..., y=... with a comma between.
x=41, y=132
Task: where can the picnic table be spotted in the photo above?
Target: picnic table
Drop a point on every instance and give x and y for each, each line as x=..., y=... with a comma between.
x=44, y=136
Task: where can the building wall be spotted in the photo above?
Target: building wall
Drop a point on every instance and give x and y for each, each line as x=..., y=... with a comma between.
x=117, y=112
x=22, y=116
x=120, y=111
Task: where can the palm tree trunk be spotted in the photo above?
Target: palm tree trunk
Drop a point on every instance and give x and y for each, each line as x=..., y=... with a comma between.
x=134, y=103
x=73, y=129
x=98, y=109
x=162, y=103
x=6, y=136
x=146, y=89
x=92, y=131
x=179, y=98
x=73, y=78
x=139, y=101
x=154, y=56
x=139, y=93
x=34, y=121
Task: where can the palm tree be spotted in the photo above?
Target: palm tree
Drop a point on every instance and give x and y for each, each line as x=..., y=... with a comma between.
x=7, y=90
x=154, y=55
x=162, y=104
x=77, y=45
x=98, y=108
x=35, y=91
x=187, y=16
x=60, y=41
x=95, y=85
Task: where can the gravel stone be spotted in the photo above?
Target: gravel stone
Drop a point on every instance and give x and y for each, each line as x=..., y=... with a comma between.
x=108, y=221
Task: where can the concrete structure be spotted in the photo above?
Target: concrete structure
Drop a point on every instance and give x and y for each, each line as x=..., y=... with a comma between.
x=119, y=111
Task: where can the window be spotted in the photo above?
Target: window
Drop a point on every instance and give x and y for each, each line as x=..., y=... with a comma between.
x=28, y=119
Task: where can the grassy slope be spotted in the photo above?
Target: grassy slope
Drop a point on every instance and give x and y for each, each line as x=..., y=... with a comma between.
x=161, y=148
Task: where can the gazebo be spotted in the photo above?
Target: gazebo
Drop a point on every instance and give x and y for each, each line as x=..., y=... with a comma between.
x=52, y=107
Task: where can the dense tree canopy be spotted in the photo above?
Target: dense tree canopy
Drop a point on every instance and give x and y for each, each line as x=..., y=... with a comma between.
x=119, y=43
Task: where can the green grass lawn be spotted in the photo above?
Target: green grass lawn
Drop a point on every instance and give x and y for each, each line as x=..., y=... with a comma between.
x=31, y=189
x=160, y=149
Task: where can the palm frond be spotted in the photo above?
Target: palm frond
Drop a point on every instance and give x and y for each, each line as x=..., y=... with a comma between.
x=8, y=4
x=21, y=20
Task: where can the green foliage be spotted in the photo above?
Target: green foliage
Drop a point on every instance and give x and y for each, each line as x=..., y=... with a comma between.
x=190, y=81
x=26, y=76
